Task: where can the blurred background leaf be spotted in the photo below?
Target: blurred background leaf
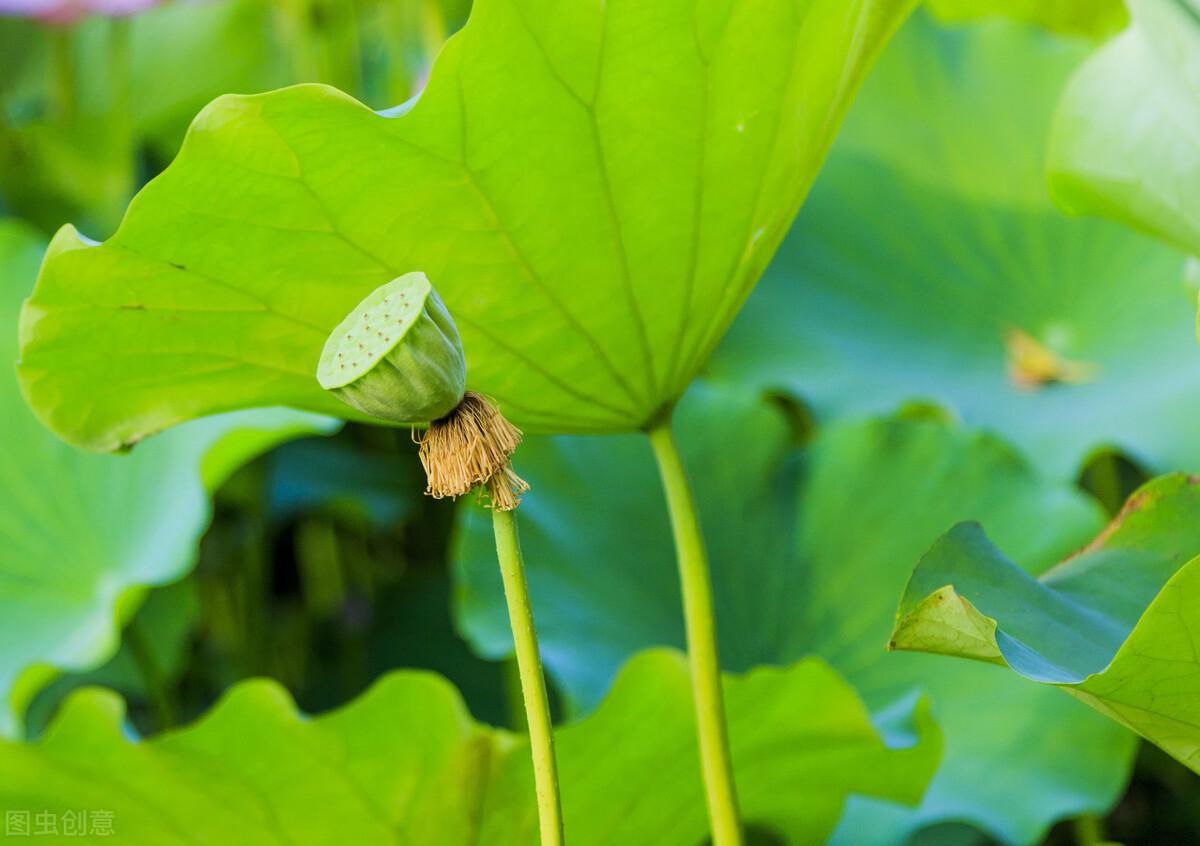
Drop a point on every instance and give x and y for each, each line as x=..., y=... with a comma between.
x=929, y=263
x=90, y=110
x=1126, y=141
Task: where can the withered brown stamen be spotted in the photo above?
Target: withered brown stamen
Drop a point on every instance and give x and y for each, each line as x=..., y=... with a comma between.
x=470, y=448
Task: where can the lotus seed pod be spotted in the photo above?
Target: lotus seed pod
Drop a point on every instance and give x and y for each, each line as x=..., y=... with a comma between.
x=397, y=356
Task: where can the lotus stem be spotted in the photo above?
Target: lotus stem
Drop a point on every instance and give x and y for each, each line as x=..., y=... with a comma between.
x=533, y=682
x=715, y=760
x=470, y=449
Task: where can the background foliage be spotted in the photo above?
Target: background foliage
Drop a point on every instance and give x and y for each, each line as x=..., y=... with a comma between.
x=934, y=342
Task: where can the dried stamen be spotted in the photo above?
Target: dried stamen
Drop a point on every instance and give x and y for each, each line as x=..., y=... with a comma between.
x=471, y=447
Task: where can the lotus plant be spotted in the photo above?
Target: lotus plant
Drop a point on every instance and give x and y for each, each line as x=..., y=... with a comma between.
x=398, y=356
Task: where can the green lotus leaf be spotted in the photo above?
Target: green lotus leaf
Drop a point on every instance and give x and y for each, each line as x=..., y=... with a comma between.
x=929, y=263
x=809, y=548
x=1115, y=624
x=593, y=190
x=404, y=763
x=1125, y=137
x=1086, y=17
x=81, y=535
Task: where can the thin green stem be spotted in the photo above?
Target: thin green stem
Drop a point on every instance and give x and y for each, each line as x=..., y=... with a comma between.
x=533, y=682
x=715, y=760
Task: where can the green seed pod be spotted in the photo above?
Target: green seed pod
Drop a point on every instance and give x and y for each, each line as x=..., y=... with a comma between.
x=397, y=356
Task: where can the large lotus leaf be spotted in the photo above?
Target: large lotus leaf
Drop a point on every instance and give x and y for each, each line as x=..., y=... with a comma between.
x=593, y=188
x=1126, y=140
x=929, y=263
x=81, y=534
x=1088, y=17
x=404, y=763
x=809, y=549
x=1115, y=624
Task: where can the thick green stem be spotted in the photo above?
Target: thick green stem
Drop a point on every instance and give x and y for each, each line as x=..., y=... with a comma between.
x=533, y=683
x=702, y=640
